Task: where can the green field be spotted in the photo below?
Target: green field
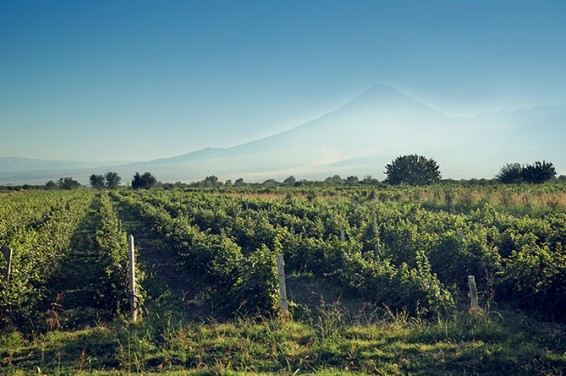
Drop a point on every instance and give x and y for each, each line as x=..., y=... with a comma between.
x=377, y=280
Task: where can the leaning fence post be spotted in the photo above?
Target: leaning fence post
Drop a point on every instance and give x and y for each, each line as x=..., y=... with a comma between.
x=132, y=278
x=473, y=291
x=8, y=256
x=282, y=286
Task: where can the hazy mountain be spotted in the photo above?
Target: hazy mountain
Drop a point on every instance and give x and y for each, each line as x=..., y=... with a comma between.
x=11, y=164
x=360, y=138
x=367, y=133
x=36, y=171
x=380, y=123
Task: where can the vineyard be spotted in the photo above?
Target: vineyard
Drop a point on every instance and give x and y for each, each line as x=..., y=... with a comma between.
x=369, y=271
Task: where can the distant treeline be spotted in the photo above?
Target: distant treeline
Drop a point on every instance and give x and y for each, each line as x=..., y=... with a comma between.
x=407, y=169
x=214, y=182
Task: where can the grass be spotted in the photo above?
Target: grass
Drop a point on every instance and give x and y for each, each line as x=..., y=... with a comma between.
x=328, y=344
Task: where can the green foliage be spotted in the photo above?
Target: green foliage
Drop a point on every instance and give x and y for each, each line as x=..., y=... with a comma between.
x=535, y=277
x=50, y=185
x=145, y=181
x=235, y=282
x=409, y=244
x=510, y=173
x=406, y=254
x=38, y=228
x=310, y=245
x=68, y=183
x=396, y=251
x=289, y=181
x=97, y=181
x=352, y=180
x=208, y=182
x=336, y=179
x=211, y=181
x=413, y=170
x=537, y=173
x=112, y=246
x=327, y=342
x=112, y=180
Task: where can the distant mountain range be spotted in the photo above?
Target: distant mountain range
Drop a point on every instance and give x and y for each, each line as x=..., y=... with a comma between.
x=359, y=139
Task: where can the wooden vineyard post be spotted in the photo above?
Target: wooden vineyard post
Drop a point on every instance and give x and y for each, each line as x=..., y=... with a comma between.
x=8, y=256
x=119, y=222
x=373, y=222
x=132, y=278
x=473, y=291
x=282, y=286
x=342, y=235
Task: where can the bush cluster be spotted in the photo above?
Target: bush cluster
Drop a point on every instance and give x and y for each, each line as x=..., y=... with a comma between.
x=539, y=172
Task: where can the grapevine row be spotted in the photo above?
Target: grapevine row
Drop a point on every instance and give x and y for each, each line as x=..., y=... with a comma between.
x=518, y=259
x=37, y=251
x=65, y=225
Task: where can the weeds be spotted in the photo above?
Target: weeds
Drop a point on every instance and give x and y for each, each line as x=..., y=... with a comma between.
x=53, y=315
x=134, y=345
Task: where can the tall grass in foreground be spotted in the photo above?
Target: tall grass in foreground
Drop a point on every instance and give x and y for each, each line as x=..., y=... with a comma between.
x=327, y=341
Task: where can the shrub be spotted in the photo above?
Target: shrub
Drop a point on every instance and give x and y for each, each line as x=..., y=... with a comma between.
x=539, y=172
x=412, y=169
x=510, y=173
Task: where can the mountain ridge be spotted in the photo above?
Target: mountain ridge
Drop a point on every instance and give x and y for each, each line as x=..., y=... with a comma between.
x=15, y=164
x=373, y=128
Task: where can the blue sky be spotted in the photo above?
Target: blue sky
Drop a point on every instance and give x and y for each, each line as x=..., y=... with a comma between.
x=138, y=80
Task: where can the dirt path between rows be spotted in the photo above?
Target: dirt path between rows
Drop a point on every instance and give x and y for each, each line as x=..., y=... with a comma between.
x=168, y=288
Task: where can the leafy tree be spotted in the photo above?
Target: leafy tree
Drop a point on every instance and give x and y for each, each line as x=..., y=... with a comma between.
x=510, y=173
x=352, y=180
x=369, y=180
x=239, y=182
x=270, y=183
x=97, y=181
x=210, y=181
x=68, y=183
x=290, y=181
x=336, y=179
x=412, y=169
x=112, y=180
x=50, y=185
x=145, y=181
x=539, y=172
x=302, y=183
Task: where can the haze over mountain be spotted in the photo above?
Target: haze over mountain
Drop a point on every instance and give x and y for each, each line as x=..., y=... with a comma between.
x=359, y=138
